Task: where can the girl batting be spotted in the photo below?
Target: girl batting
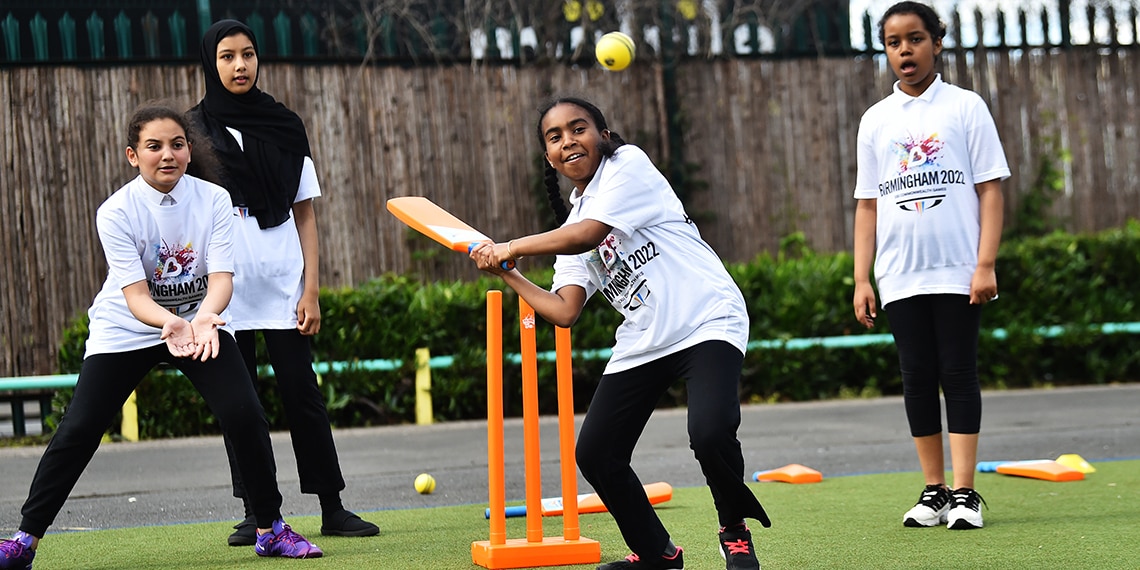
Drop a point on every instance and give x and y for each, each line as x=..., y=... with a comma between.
x=268, y=170
x=629, y=238
x=929, y=214
x=167, y=240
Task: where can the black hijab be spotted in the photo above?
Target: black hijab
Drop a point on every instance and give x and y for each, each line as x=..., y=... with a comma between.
x=266, y=175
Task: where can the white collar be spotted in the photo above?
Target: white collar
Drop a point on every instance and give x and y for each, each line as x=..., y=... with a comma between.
x=927, y=95
x=154, y=196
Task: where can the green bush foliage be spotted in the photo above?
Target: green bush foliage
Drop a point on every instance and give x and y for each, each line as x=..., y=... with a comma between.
x=1071, y=281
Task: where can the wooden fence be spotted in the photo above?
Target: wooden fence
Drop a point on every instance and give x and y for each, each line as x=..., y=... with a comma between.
x=772, y=142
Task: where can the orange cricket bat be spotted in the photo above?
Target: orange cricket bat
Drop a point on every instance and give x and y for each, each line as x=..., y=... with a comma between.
x=589, y=502
x=429, y=219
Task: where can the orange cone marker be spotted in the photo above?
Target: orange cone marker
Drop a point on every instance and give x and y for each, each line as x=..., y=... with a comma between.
x=791, y=473
x=1046, y=469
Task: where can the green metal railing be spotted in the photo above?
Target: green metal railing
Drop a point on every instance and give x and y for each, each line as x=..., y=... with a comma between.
x=65, y=31
x=39, y=387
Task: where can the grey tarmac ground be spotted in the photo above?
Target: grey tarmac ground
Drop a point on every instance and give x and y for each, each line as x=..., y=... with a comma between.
x=187, y=480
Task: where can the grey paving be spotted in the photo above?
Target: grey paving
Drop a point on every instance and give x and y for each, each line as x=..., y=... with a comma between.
x=187, y=480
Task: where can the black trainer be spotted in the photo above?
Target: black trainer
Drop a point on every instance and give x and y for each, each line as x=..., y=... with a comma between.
x=346, y=523
x=965, y=509
x=632, y=562
x=931, y=507
x=245, y=533
x=737, y=549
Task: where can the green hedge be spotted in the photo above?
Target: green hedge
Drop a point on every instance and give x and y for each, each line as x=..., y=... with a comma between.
x=1060, y=279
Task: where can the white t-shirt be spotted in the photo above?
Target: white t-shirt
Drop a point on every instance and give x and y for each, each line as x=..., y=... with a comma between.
x=173, y=247
x=269, y=273
x=921, y=158
x=653, y=267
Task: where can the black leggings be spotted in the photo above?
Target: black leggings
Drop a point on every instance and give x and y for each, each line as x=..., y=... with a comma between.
x=937, y=340
x=618, y=413
x=105, y=382
x=318, y=467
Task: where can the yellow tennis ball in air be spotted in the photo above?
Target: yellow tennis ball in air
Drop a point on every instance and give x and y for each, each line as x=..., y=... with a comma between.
x=615, y=51
x=425, y=484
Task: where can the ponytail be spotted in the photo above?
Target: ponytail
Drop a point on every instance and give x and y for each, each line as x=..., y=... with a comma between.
x=554, y=194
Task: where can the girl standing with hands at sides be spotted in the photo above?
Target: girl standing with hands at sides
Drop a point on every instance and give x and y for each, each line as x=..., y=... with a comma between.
x=168, y=243
x=629, y=238
x=267, y=168
x=929, y=214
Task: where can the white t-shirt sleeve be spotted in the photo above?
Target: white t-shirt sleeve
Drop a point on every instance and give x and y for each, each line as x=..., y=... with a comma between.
x=220, y=255
x=987, y=158
x=124, y=265
x=570, y=270
x=867, y=175
x=309, y=187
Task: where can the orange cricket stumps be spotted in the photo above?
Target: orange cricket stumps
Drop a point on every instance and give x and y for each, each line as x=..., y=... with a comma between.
x=791, y=473
x=535, y=550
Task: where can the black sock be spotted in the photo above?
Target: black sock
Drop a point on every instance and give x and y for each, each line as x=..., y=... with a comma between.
x=330, y=503
x=670, y=550
x=736, y=527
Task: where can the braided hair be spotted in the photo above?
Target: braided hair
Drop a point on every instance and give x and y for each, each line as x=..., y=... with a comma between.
x=606, y=147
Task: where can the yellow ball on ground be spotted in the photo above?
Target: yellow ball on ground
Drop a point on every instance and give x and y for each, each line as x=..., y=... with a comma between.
x=615, y=51
x=425, y=484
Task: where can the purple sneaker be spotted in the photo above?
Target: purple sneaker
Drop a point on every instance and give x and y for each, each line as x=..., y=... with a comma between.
x=16, y=553
x=285, y=543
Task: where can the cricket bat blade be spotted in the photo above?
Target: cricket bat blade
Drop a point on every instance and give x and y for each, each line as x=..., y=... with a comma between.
x=428, y=218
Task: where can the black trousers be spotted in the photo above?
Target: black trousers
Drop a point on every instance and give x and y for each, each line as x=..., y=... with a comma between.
x=617, y=416
x=937, y=340
x=106, y=381
x=318, y=466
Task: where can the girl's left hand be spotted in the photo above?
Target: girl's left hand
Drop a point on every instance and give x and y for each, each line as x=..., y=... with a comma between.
x=206, y=335
x=983, y=286
x=309, y=315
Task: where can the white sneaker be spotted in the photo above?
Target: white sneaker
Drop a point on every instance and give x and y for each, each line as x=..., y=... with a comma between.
x=965, y=510
x=931, y=507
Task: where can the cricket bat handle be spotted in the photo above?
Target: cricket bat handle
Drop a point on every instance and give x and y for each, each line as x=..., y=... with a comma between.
x=506, y=265
x=518, y=511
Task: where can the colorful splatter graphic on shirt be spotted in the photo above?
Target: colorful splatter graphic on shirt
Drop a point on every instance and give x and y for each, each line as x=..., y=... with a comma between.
x=175, y=265
x=914, y=153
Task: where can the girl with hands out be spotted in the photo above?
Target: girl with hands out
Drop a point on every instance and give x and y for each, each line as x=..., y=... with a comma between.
x=167, y=239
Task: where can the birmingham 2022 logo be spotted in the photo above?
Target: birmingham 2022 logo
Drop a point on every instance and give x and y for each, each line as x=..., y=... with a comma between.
x=918, y=169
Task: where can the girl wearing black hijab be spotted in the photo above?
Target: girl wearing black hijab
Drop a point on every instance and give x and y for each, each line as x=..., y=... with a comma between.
x=267, y=167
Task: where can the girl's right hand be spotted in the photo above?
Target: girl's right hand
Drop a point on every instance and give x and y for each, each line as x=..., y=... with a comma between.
x=205, y=327
x=179, y=337
x=486, y=257
x=864, y=302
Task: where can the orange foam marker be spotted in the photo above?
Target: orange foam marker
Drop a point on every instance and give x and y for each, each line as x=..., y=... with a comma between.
x=1046, y=469
x=791, y=473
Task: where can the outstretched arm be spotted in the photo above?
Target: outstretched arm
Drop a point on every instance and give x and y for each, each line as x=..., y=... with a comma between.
x=569, y=239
